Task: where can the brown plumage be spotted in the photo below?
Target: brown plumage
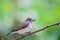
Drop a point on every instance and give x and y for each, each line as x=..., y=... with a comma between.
x=23, y=25
x=19, y=27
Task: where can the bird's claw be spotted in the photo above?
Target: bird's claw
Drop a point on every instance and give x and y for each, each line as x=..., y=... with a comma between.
x=22, y=34
x=27, y=33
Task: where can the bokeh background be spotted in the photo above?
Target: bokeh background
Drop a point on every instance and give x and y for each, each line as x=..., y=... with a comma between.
x=45, y=12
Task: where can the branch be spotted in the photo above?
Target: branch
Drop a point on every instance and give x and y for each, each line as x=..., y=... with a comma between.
x=0, y=36
x=38, y=31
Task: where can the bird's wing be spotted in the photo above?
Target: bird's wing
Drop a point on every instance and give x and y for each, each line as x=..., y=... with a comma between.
x=19, y=27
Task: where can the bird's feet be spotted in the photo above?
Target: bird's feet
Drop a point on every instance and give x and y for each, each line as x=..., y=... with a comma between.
x=22, y=35
x=27, y=33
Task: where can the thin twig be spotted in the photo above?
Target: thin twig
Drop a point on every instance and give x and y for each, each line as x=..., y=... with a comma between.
x=38, y=30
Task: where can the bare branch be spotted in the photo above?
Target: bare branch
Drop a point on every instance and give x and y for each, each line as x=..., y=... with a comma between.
x=38, y=30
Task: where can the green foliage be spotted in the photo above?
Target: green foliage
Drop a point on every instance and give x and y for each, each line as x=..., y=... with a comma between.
x=45, y=11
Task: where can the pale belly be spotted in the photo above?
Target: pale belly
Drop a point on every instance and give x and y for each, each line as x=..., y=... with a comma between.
x=23, y=31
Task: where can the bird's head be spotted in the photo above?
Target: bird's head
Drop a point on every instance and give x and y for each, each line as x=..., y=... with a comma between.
x=30, y=20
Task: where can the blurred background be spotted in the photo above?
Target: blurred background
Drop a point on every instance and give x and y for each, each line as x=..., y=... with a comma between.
x=45, y=12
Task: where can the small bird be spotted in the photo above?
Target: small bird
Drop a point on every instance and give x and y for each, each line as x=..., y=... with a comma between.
x=23, y=28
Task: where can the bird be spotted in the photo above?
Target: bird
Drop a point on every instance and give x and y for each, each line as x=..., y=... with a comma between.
x=23, y=28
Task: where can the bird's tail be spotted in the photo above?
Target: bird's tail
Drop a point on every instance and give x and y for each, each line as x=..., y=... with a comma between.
x=9, y=33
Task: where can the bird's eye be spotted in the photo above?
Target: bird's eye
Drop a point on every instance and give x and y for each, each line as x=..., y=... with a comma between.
x=29, y=19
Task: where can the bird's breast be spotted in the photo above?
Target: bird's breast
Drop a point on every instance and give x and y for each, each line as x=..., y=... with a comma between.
x=24, y=30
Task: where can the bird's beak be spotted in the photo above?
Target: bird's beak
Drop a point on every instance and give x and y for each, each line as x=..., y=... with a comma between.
x=34, y=20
